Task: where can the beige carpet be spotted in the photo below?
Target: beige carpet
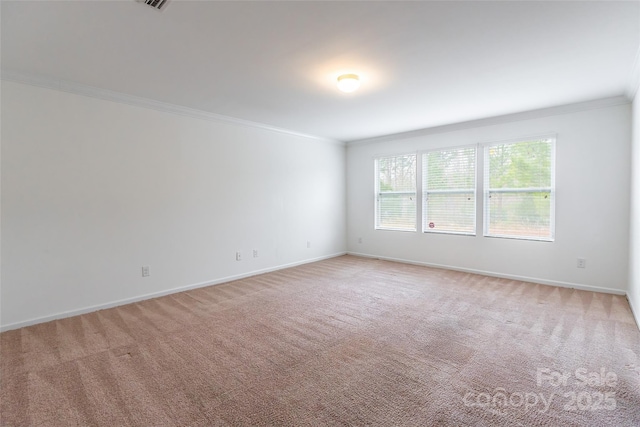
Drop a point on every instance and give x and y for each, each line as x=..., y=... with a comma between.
x=347, y=341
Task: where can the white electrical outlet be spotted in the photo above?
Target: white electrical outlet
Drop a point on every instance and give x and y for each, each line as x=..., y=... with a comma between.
x=145, y=271
x=582, y=263
x=238, y=256
x=255, y=253
x=359, y=239
x=308, y=244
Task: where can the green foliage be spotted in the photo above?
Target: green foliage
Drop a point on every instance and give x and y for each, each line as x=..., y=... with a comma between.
x=519, y=177
x=397, y=186
x=520, y=165
x=453, y=169
x=397, y=173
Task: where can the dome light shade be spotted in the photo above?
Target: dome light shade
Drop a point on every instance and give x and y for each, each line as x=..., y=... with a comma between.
x=348, y=82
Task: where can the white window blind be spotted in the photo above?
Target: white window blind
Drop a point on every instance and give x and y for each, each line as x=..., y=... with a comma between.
x=449, y=191
x=396, y=192
x=519, y=189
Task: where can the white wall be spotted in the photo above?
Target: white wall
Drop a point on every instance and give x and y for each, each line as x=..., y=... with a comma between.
x=92, y=190
x=633, y=293
x=592, y=211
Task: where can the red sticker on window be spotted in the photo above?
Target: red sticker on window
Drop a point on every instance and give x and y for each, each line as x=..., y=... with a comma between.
x=432, y=225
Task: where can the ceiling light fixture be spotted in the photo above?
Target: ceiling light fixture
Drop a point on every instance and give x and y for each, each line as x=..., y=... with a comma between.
x=348, y=82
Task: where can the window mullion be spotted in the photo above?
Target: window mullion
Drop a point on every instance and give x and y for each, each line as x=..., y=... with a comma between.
x=419, y=195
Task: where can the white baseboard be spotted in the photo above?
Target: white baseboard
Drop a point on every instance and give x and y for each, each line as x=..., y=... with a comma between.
x=125, y=301
x=495, y=274
x=635, y=311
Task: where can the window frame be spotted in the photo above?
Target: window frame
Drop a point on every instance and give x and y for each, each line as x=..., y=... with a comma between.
x=486, y=190
x=424, y=192
x=378, y=193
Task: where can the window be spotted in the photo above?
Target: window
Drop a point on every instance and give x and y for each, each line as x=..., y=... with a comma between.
x=519, y=189
x=449, y=191
x=396, y=192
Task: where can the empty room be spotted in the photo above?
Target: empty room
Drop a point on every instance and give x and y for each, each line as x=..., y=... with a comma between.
x=320, y=213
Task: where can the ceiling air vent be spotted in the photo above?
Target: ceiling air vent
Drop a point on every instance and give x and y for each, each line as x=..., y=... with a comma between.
x=156, y=4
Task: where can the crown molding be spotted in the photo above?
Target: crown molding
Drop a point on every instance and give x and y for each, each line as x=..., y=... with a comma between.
x=507, y=118
x=122, y=98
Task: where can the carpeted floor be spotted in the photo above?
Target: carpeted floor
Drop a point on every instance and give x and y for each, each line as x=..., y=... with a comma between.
x=347, y=341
